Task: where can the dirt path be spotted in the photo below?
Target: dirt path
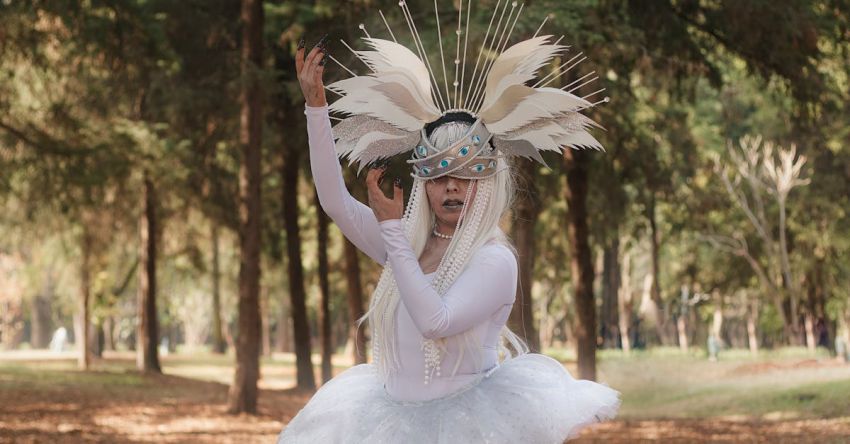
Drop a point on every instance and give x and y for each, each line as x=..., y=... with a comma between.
x=820, y=431
x=48, y=401
x=158, y=409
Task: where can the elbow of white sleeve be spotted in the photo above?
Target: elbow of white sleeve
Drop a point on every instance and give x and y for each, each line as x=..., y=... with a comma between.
x=432, y=334
x=434, y=330
x=334, y=211
x=330, y=210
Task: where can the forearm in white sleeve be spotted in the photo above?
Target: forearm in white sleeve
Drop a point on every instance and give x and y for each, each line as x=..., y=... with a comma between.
x=487, y=284
x=356, y=220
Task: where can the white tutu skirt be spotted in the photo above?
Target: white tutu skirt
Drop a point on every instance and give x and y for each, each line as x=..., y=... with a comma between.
x=527, y=399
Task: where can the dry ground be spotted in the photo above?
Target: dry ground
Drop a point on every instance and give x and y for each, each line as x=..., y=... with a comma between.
x=43, y=399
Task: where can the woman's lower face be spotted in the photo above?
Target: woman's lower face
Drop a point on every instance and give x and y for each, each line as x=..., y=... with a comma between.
x=446, y=196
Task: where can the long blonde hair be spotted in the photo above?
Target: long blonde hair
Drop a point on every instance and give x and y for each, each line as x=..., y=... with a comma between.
x=480, y=225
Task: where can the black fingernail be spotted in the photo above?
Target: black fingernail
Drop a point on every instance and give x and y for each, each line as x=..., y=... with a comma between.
x=301, y=44
x=322, y=42
x=397, y=182
x=380, y=164
x=322, y=62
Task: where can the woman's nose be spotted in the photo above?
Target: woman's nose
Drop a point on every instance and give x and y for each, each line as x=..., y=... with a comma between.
x=451, y=184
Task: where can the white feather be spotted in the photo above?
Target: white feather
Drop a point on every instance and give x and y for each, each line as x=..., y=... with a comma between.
x=398, y=93
x=550, y=128
x=518, y=64
x=560, y=125
x=352, y=84
x=541, y=139
x=378, y=106
x=389, y=56
x=378, y=145
x=580, y=139
x=520, y=105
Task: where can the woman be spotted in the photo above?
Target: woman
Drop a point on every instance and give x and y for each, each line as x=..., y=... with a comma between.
x=440, y=373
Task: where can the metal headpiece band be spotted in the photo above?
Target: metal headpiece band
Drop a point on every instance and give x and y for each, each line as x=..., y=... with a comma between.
x=472, y=156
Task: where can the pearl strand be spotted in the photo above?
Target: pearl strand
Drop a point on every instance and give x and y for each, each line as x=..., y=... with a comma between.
x=449, y=268
x=441, y=235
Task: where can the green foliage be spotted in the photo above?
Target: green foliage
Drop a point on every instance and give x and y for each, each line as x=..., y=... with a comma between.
x=93, y=94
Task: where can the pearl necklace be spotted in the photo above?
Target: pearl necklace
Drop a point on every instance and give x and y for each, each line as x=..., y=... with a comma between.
x=449, y=269
x=441, y=235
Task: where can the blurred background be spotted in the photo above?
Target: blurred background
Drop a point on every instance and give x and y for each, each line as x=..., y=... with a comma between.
x=166, y=273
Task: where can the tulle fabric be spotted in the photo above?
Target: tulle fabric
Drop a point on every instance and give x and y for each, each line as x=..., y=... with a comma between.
x=528, y=399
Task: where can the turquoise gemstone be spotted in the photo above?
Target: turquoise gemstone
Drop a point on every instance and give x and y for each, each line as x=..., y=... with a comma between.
x=478, y=167
x=476, y=140
x=422, y=150
x=425, y=171
x=464, y=151
x=444, y=163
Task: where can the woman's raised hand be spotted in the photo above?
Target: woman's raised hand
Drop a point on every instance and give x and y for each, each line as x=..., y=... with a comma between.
x=310, y=70
x=384, y=207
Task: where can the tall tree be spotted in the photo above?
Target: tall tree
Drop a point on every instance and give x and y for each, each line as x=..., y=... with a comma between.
x=242, y=397
x=291, y=154
x=84, y=299
x=526, y=212
x=219, y=344
x=354, y=285
x=357, y=335
x=325, y=291
x=297, y=294
x=576, y=165
x=147, y=336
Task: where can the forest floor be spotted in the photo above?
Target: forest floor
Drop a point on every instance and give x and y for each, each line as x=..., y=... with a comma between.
x=783, y=396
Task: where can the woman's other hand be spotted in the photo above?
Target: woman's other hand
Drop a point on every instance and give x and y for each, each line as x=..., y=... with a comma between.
x=384, y=207
x=310, y=70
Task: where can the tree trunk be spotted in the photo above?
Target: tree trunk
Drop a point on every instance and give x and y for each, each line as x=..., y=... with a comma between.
x=791, y=285
x=83, y=314
x=752, y=321
x=816, y=321
x=303, y=349
x=526, y=212
x=681, y=329
x=219, y=345
x=609, y=312
x=624, y=303
x=41, y=325
x=109, y=333
x=242, y=397
x=581, y=262
x=655, y=289
x=284, y=338
x=356, y=298
x=266, y=324
x=147, y=337
x=355, y=302
x=717, y=316
x=681, y=320
x=324, y=287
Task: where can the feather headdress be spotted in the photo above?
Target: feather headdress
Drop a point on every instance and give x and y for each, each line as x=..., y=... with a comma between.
x=394, y=108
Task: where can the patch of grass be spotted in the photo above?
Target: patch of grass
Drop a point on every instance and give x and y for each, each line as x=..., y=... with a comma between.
x=663, y=383
x=821, y=400
x=42, y=378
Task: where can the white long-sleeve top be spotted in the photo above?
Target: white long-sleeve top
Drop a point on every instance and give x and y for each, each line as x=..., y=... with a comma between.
x=479, y=300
